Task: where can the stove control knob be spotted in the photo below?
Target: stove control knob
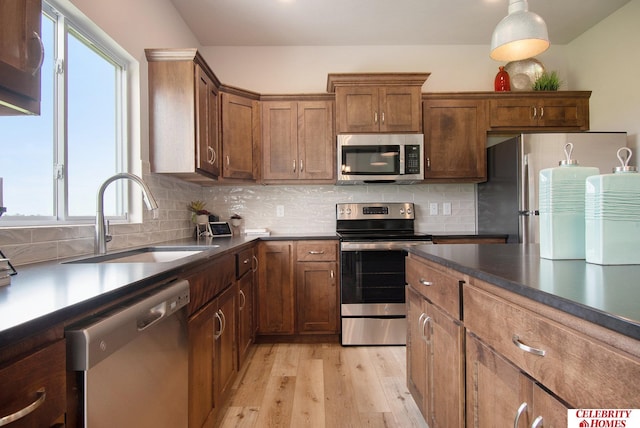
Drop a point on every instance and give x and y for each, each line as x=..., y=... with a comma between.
x=409, y=211
x=348, y=211
x=401, y=210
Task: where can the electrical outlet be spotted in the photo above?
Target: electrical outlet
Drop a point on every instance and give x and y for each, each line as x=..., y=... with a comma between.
x=446, y=208
x=433, y=208
x=280, y=211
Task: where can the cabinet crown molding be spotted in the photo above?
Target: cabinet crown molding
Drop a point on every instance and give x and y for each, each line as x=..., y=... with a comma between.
x=375, y=79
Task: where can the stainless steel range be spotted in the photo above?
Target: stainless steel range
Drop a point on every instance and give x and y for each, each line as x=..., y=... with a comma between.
x=372, y=270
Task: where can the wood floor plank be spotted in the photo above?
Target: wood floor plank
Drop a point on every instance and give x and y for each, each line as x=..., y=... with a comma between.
x=340, y=406
x=275, y=411
x=255, y=377
x=286, y=361
x=385, y=362
x=367, y=388
x=378, y=420
x=240, y=417
x=404, y=410
x=308, y=399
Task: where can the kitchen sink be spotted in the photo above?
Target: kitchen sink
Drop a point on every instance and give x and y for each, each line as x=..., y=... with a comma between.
x=147, y=255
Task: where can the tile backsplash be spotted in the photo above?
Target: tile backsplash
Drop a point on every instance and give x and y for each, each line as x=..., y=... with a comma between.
x=305, y=209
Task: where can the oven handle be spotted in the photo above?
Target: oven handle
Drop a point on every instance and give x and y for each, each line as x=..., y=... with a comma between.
x=380, y=246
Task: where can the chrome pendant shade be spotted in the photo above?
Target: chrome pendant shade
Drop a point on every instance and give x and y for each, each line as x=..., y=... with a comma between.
x=519, y=35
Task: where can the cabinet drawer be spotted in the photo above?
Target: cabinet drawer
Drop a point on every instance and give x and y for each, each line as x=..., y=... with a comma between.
x=206, y=283
x=244, y=262
x=24, y=382
x=581, y=370
x=439, y=287
x=309, y=251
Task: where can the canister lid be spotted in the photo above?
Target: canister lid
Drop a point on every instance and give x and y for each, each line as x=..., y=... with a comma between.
x=568, y=149
x=624, y=162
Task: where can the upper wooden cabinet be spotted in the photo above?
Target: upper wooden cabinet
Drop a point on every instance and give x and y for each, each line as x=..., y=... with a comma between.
x=380, y=102
x=455, y=135
x=240, y=134
x=183, y=115
x=522, y=111
x=298, y=141
x=21, y=56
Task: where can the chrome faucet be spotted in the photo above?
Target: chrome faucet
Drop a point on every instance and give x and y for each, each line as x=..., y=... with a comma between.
x=102, y=232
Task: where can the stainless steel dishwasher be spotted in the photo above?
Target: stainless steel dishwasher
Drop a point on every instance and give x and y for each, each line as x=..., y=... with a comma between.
x=133, y=361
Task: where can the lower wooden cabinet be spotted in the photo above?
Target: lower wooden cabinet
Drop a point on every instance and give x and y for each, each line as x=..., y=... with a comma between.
x=35, y=387
x=298, y=289
x=275, y=288
x=247, y=268
x=435, y=363
x=500, y=395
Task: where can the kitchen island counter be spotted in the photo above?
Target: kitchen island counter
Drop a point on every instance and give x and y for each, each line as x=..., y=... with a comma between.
x=608, y=296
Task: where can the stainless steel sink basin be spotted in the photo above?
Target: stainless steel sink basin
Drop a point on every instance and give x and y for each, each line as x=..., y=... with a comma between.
x=147, y=255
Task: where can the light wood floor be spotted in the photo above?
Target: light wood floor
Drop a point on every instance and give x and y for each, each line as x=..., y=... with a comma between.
x=322, y=385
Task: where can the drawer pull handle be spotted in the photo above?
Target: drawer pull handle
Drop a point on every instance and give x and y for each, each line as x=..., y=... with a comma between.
x=521, y=410
x=244, y=300
x=315, y=253
x=529, y=349
x=425, y=282
x=537, y=422
x=42, y=395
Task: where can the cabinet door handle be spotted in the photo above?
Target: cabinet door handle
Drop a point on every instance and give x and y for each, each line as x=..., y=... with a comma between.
x=217, y=334
x=534, y=110
x=332, y=275
x=42, y=395
x=382, y=118
x=254, y=267
x=521, y=410
x=246, y=261
x=294, y=165
x=541, y=116
x=537, y=421
x=526, y=348
x=375, y=117
x=425, y=323
x=425, y=282
x=224, y=322
x=41, y=59
x=228, y=161
x=429, y=163
x=212, y=155
x=301, y=166
x=316, y=252
x=244, y=300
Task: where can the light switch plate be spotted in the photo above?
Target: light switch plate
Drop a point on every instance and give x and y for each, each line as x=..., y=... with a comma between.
x=433, y=208
x=446, y=208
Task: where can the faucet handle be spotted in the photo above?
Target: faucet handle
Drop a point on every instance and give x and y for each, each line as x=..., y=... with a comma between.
x=107, y=236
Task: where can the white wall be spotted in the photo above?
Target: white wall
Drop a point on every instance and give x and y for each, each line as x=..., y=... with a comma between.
x=605, y=60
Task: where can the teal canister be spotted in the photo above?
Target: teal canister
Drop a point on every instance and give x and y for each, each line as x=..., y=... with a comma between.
x=612, y=215
x=561, y=205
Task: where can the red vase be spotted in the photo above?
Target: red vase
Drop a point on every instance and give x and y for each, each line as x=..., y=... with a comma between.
x=502, y=83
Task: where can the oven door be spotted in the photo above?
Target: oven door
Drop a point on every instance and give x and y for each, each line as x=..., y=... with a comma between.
x=372, y=279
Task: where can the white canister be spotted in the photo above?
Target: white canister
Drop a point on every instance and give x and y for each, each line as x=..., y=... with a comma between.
x=561, y=206
x=612, y=215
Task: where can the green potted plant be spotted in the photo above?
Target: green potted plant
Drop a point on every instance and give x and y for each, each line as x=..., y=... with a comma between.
x=547, y=82
x=199, y=213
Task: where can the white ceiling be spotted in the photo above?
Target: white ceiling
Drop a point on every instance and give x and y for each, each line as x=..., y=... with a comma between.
x=376, y=22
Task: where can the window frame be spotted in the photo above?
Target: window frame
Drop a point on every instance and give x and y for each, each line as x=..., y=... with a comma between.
x=70, y=21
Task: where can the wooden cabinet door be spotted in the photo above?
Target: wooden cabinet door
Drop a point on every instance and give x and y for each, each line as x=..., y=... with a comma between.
x=417, y=358
x=275, y=288
x=207, y=150
x=445, y=380
x=202, y=376
x=246, y=327
x=455, y=139
x=317, y=297
x=513, y=112
x=280, y=140
x=496, y=389
x=21, y=56
x=357, y=109
x=240, y=125
x=563, y=112
x=547, y=411
x=316, y=141
x=400, y=109
x=226, y=343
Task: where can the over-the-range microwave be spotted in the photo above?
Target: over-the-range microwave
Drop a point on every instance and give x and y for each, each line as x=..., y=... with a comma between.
x=380, y=158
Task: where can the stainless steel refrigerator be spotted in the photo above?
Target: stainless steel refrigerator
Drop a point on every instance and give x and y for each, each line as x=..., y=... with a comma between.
x=508, y=201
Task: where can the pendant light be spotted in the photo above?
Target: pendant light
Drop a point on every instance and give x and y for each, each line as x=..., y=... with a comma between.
x=520, y=35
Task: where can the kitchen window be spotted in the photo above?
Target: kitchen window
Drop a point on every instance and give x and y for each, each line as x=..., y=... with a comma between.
x=53, y=164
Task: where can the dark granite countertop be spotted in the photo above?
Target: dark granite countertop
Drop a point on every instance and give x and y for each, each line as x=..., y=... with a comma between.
x=45, y=294
x=605, y=295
